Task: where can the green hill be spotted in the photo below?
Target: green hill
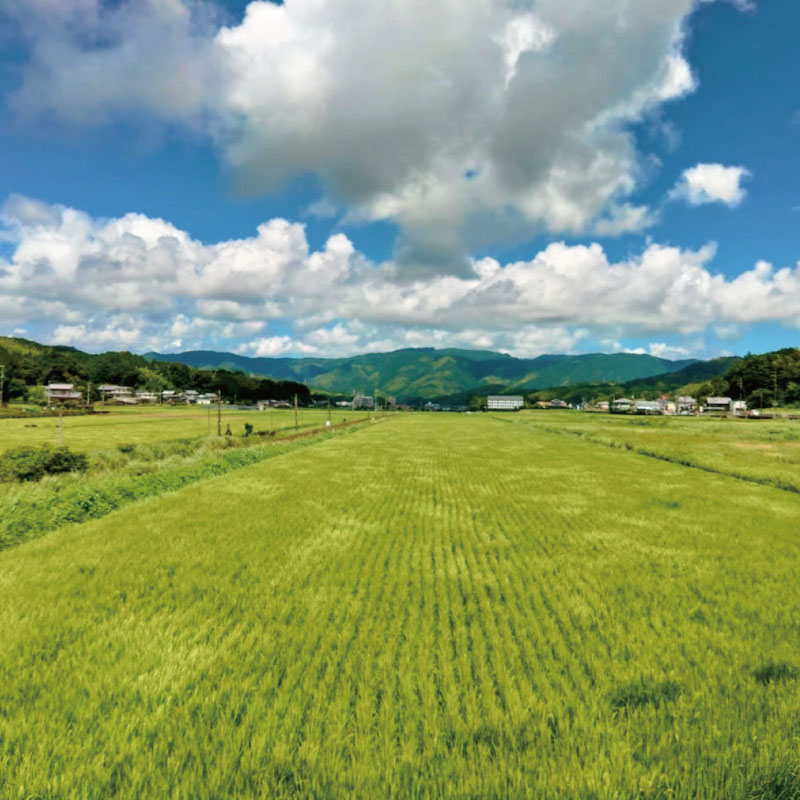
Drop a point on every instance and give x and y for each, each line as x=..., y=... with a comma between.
x=426, y=373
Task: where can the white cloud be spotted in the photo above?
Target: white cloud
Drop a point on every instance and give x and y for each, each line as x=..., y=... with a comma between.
x=141, y=283
x=663, y=350
x=712, y=183
x=471, y=121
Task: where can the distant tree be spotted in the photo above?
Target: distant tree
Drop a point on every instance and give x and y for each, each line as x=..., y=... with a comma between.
x=36, y=395
x=706, y=390
x=150, y=381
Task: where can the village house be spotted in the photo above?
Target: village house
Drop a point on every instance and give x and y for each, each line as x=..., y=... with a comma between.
x=146, y=397
x=649, y=407
x=622, y=405
x=686, y=405
x=62, y=393
x=717, y=405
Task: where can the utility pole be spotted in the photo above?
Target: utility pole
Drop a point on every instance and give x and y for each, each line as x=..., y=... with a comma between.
x=774, y=383
x=2, y=382
x=295, y=412
x=89, y=394
x=329, y=412
x=60, y=429
x=219, y=413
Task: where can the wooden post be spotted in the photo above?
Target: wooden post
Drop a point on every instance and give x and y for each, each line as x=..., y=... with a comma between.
x=219, y=413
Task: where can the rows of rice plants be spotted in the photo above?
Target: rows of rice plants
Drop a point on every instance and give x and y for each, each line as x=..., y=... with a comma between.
x=439, y=607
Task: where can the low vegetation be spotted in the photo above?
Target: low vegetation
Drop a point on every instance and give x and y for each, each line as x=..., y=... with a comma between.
x=33, y=463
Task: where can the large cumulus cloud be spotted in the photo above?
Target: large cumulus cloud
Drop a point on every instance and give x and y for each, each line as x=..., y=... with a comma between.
x=464, y=121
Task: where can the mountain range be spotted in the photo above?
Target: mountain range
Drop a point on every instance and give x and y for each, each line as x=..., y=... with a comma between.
x=427, y=373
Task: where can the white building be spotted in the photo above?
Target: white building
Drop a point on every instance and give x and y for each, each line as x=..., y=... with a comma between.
x=503, y=402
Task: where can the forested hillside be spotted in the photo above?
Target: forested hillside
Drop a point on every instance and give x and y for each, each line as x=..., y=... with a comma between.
x=29, y=365
x=426, y=373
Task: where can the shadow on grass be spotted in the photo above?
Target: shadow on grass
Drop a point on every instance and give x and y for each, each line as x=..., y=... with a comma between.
x=775, y=673
x=643, y=693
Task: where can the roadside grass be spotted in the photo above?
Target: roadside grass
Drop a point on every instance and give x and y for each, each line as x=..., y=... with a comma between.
x=438, y=607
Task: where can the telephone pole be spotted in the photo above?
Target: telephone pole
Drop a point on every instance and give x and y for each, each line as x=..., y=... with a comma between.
x=2, y=382
x=774, y=384
x=329, y=412
x=219, y=413
x=295, y=411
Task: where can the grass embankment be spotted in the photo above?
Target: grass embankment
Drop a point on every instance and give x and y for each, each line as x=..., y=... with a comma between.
x=441, y=607
x=132, y=472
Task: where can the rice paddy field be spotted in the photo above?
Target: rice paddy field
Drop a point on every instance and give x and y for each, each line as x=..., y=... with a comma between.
x=532, y=605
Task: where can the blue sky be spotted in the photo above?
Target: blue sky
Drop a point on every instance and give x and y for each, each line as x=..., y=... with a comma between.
x=337, y=176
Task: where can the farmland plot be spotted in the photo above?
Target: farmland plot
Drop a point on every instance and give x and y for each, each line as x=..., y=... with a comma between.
x=434, y=606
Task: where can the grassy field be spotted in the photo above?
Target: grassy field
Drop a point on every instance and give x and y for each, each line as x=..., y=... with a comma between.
x=145, y=425
x=434, y=606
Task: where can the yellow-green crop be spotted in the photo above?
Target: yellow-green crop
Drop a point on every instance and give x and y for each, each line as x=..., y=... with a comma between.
x=434, y=606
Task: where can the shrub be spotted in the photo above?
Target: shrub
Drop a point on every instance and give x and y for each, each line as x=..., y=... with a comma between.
x=33, y=463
